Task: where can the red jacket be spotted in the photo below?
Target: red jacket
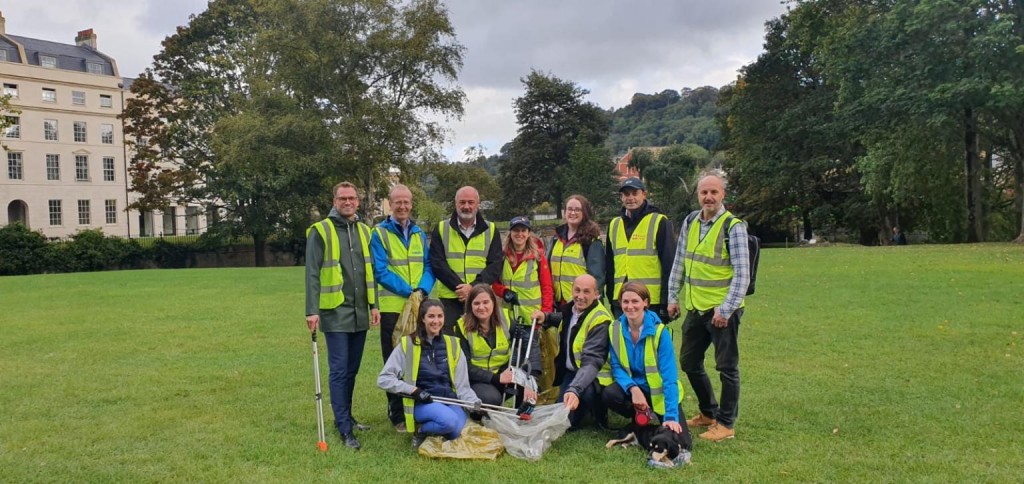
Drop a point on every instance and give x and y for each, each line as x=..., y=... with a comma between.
x=547, y=293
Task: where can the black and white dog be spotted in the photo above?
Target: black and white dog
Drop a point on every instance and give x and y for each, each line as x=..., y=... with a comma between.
x=661, y=443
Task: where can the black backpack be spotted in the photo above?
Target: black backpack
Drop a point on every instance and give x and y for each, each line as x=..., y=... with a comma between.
x=753, y=246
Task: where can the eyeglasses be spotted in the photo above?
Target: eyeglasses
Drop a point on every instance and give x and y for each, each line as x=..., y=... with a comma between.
x=573, y=209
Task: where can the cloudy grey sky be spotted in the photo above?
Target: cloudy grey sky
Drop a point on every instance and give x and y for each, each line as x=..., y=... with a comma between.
x=614, y=48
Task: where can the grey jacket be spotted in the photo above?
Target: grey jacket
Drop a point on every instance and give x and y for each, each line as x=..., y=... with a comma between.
x=354, y=314
x=390, y=378
x=594, y=353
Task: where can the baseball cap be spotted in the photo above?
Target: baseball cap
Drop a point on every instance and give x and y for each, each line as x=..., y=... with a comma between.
x=520, y=220
x=632, y=182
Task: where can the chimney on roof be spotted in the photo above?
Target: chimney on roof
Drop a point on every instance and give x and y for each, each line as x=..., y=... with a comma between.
x=86, y=37
x=3, y=24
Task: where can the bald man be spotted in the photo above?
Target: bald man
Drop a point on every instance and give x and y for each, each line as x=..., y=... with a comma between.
x=464, y=250
x=581, y=368
x=712, y=282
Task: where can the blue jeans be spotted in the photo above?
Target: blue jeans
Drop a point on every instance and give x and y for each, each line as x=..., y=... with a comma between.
x=589, y=400
x=440, y=419
x=344, y=354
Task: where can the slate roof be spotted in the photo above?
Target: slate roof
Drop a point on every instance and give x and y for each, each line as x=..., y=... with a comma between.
x=69, y=57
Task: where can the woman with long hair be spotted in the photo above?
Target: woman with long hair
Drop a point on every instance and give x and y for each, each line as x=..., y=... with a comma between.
x=575, y=249
x=486, y=332
x=428, y=364
x=643, y=364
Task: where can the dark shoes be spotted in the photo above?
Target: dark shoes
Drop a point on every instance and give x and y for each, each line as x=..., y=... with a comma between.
x=401, y=428
x=417, y=439
x=351, y=442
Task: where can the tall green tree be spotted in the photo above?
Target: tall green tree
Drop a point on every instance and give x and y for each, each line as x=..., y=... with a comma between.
x=788, y=154
x=593, y=176
x=369, y=72
x=381, y=74
x=553, y=117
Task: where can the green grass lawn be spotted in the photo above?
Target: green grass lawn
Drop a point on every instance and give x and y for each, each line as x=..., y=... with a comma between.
x=858, y=364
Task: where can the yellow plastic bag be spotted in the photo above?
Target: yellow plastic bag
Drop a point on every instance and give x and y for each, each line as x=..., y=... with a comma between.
x=475, y=442
x=406, y=324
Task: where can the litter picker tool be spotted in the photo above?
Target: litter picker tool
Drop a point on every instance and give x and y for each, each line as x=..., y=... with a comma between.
x=322, y=436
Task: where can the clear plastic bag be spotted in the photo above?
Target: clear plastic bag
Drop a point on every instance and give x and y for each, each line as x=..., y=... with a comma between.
x=529, y=439
x=475, y=442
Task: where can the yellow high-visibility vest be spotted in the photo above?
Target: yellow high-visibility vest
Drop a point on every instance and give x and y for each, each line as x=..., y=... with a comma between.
x=636, y=258
x=596, y=316
x=708, y=268
x=567, y=262
x=467, y=260
x=481, y=354
x=651, y=370
x=412, y=370
x=525, y=282
x=407, y=263
x=331, y=283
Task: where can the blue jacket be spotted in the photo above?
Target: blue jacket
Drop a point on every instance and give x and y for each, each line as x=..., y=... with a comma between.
x=636, y=376
x=381, y=270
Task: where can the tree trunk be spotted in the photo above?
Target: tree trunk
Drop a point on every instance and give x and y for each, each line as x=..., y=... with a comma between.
x=1018, y=197
x=808, y=233
x=986, y=198
x=259, y=242
x=973, y=168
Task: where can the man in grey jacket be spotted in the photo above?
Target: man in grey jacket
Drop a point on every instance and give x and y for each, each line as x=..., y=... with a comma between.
x=341, y=299
x=583, y=352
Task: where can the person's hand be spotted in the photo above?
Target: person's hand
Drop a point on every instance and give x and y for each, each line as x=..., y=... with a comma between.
x=478, y=406
x=537, y=315
x=718, y=321
x=529, y=395
x=313, y=322
x=673, y=426
x=375, y=317
x=639, y=400
x=571, y=401
x=511, y=297
x=506, y=376
x=422, y=396
x=673, y=310
x=462, y=291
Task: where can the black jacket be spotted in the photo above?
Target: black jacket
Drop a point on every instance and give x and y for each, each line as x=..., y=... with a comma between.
x=665, y=244
x=595, y=350
x=439, y=260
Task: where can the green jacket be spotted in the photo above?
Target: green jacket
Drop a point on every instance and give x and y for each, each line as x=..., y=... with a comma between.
x=354, y=314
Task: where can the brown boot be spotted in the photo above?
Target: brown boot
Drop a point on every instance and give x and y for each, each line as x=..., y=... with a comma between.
x=718, y=433
x=701, y=420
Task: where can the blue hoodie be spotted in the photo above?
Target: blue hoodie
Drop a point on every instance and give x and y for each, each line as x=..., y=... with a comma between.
x=381, y=269
x=636, y=376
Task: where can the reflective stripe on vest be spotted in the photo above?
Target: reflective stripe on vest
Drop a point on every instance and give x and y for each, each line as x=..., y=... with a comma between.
x=636, y=259
x=651, y=371
x=412, y=370
x=481, y=354
x=525, y=282
x=467, y=260
x=596, y=316
x=567, y=262
x=708, y=267
x=405, y=262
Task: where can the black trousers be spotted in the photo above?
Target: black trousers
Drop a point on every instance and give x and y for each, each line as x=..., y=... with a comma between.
x=453, y=310
x=622, y=403
x=387, y=328
x=698, y=334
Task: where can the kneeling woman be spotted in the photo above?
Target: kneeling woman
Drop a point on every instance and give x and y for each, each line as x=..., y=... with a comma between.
x=643, y=364
x=424, y=365
x=485, y=334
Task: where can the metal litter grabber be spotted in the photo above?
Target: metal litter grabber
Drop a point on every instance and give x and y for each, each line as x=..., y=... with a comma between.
x=483, y=407
x=520, y=376
x=322, y=442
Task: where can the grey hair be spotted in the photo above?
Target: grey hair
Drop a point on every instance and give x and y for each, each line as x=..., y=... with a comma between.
x=715, y=172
